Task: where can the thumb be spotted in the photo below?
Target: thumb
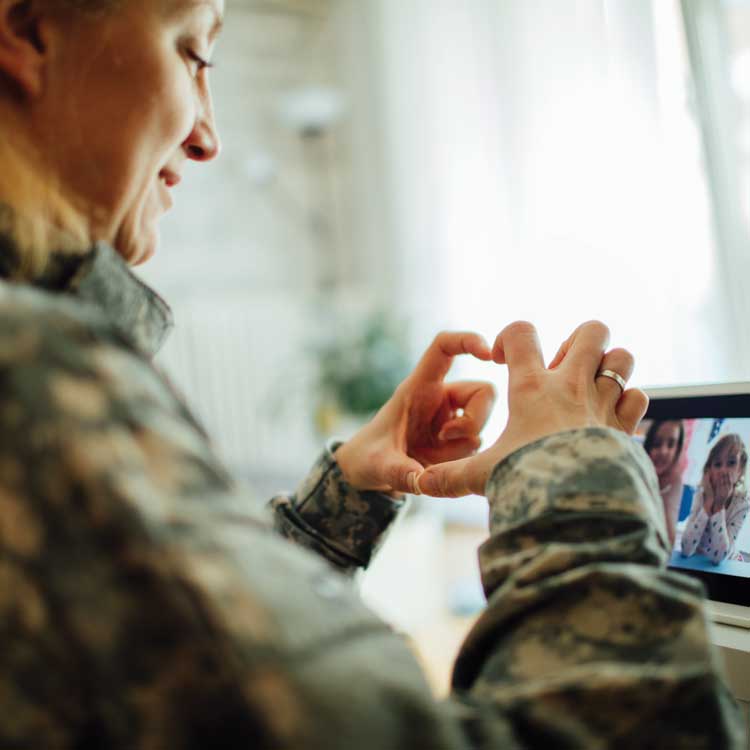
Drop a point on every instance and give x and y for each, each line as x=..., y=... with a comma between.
x=450, y=479
x=401, y=473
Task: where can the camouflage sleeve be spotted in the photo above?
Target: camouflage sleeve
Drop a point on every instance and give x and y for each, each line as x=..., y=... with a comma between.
x=587, y=640
x=329, y=517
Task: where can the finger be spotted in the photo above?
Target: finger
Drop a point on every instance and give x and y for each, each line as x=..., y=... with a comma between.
x=518, y=346
x=476, y=400
x=620, y=361
x=585, y=348
x=561, y=352
x=438, y=358
x=400, y=472
x=453, y=450
x=630, y=409
x=452, y=479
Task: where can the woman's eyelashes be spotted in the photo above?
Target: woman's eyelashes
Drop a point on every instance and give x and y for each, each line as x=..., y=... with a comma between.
x=199, y=63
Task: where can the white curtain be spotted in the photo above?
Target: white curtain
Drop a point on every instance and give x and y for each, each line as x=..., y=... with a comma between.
x=543, y=163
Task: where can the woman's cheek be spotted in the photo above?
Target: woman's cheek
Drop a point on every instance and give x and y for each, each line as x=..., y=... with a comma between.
x=180, y=112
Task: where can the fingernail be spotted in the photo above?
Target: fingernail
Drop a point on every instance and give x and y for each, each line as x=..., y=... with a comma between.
x=413, y=481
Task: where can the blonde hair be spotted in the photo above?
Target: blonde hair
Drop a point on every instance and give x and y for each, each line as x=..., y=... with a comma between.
x=42, y=218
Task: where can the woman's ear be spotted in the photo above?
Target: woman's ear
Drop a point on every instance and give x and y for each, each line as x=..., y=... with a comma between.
x=22, y=51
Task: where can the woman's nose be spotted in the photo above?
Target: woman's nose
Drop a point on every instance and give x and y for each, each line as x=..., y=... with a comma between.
x=203, y=143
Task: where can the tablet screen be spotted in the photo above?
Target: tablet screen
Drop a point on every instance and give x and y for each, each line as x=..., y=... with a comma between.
x=702, y=467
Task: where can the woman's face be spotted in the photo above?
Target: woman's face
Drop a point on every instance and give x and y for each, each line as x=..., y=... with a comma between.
x=663, y=451
x=724, y=473
x=127, y=104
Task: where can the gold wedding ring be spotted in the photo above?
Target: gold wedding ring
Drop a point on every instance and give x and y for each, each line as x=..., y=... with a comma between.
x=612, y=375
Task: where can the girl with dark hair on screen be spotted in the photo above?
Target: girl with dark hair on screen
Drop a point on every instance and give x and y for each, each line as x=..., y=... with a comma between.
x=664, y=443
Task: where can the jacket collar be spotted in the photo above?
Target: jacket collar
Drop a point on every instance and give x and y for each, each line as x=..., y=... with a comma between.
x=132, y=307
x=100, y=277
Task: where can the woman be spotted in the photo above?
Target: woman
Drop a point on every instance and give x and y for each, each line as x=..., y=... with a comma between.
x=721, y=503
x=664, y=443
x=145, y=603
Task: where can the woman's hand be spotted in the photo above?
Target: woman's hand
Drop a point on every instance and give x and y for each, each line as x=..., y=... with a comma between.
x=542, y=400
x=427, y=421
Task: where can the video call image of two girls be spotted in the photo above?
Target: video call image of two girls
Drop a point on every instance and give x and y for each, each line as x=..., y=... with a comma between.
x=702, y=469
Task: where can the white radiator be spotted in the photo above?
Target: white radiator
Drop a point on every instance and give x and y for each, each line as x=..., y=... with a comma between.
x=243, y=362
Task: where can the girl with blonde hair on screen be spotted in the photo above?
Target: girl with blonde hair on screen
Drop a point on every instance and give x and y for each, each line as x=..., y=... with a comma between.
x=720, y=505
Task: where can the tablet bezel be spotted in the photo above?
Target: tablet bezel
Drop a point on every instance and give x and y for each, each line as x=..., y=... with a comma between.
x=725, y=400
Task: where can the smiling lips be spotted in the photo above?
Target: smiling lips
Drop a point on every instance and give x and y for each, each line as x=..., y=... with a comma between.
x=169, y=179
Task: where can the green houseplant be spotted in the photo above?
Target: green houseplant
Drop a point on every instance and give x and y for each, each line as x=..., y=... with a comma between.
x=358, y=370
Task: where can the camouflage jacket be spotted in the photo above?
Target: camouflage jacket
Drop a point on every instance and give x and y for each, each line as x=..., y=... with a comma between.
x=147, y=602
